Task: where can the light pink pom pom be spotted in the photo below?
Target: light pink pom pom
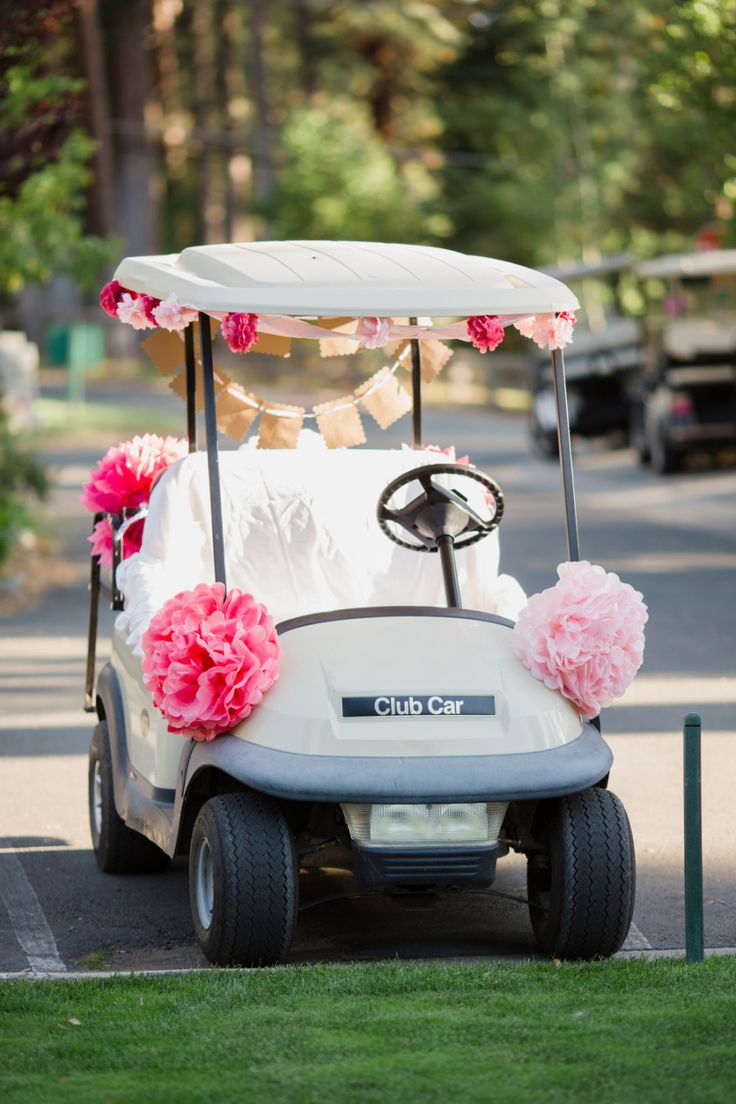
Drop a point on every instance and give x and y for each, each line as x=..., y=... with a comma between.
x=448, y=452
x=373, y=333
x=584, y=636
x=136, y=310
x=548, y=331
x=486, y=332
x=240, y=331
x=171, y=315
x=126, y=473
x=208, y=659
x=101, y=540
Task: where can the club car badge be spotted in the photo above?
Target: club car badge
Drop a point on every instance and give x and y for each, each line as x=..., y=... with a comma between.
x=420, y=705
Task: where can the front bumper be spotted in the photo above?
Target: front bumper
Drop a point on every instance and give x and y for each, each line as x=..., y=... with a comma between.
x=382, y=867
x=568, y=768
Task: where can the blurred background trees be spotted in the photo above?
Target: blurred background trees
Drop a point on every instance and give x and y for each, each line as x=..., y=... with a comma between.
x=536, y=129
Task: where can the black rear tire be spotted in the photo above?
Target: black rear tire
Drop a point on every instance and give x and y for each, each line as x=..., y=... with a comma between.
x=118, y=849
x=581, y=885
x=243, y=880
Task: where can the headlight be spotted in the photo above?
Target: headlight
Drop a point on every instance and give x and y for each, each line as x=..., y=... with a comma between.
x=429, y=825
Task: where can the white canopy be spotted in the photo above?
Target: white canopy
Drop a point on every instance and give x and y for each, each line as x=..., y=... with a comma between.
x=706, y=262
x=358, y=279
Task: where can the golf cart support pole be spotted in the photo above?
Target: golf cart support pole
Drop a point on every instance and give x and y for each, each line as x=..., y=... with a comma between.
x=191, y=369
x=565, y=449
x=694, y=932
x=416, y=390
x=210, y=421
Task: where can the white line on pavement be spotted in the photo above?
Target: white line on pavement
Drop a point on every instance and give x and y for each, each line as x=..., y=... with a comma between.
x=636, y=941
x=26, y=915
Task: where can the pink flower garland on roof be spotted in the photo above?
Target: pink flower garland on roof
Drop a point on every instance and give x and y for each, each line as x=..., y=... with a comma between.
x=486, y=332
x=373, y=333
x=208, y=659
x=584, y=636
x=548, y=331
x=123, y=480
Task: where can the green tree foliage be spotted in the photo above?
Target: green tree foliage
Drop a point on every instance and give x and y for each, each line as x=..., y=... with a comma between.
x=339, y=180
x=578, y=127
x=44, y=150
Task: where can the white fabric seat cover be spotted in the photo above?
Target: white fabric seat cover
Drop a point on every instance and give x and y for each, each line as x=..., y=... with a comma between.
x=300, y=535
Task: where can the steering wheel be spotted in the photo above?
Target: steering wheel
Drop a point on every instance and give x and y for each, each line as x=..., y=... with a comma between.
x=437, y=512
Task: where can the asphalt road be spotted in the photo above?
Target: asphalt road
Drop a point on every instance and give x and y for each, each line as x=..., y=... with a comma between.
x=674, y=538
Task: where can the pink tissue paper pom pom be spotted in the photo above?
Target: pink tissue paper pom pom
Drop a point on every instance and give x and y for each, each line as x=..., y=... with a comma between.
x=486, y=332
x=584, y=636
x=373, y=333
x=125, y=475
x=171, y=315
x=208, y=659
x=137, y=310
x=448, y=452
x=110, y=296
x=240, y=331
x=548, y=331
x=101, y=540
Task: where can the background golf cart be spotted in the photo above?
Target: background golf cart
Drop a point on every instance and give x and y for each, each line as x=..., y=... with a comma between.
x=603, y=364
x=409, y=805
x=686, y=401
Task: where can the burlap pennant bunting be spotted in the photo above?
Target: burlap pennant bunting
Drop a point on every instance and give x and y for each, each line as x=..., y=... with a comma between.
x=434, y=355
x=338, y=346
x=280, y=431
x=165, y=350
x=339, y=423
x=237, y=409
x=272, y=345
x=179, y=385
x=384, y=398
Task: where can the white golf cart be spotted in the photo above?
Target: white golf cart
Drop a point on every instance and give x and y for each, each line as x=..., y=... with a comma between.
x=403, y=733
x=686, y=401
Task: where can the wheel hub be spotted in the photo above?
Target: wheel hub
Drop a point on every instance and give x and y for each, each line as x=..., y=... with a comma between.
x=204, y=883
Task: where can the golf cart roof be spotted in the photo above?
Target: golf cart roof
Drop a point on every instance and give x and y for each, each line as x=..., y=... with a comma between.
x=706, y=262
x=581, y=270
x=332, y=278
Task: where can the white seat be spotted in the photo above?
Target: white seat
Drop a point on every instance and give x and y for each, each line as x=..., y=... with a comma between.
x=300, y=534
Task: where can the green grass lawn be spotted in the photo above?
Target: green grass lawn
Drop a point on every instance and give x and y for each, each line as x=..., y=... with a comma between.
x=628, y=1031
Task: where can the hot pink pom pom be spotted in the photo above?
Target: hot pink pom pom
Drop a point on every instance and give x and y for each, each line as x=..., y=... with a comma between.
x=101, y=540
x=485, y=332
x=208, y=659
x=110, y=296
x=240, y=331
x=126, y=473
x=584, y=636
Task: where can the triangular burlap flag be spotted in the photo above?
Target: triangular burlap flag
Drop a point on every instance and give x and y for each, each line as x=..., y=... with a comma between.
x=235, y=414
x=179, y=385
x=273, y=345
x=384, y=398
x=434, y=355
x=280, y=431
x=339, y=423
x=165, y=349
x=338, y=346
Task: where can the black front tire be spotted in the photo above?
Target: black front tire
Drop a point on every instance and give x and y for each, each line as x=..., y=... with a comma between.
x=581, y=884
x=118, y=849
x=243, y=880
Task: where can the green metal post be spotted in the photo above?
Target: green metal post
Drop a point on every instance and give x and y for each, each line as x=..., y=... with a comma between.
x=694, y=951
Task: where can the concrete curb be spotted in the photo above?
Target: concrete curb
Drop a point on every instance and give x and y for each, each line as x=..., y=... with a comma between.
x=87, y=975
